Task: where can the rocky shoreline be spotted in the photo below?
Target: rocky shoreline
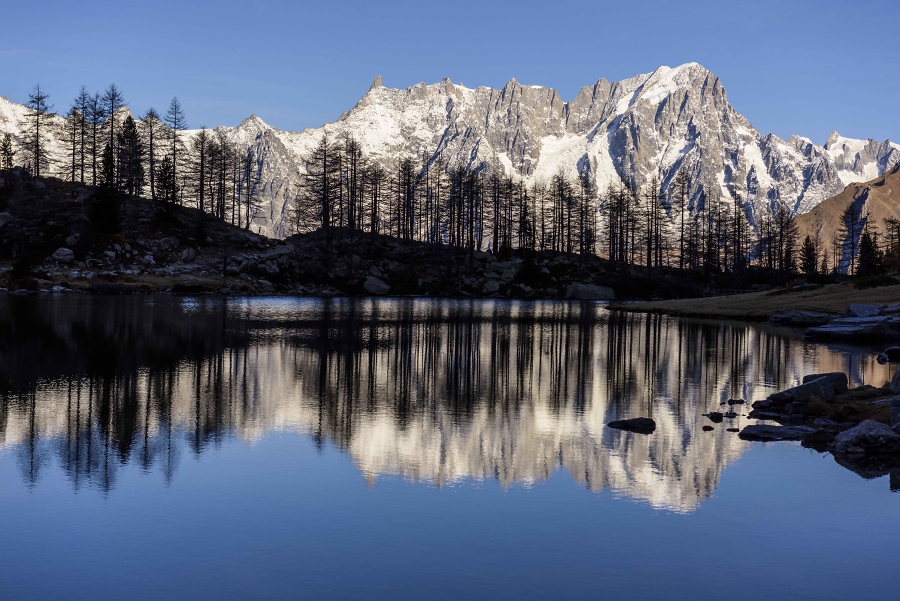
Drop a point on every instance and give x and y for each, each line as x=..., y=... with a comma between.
x=859, y=427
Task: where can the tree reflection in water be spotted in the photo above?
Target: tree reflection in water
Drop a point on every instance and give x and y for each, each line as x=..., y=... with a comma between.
x=430, y=390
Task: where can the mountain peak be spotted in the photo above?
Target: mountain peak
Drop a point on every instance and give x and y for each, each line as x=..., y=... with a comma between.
x=376, y=83
x=832, y=139
x=254, y=121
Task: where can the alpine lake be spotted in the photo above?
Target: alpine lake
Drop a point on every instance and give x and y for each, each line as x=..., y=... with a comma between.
x=165, y=447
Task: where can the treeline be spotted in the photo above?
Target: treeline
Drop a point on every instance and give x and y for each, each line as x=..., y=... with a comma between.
x=426, y=198
x=100, y=143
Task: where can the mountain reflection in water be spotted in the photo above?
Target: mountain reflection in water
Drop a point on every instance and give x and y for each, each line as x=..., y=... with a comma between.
x=430, y=390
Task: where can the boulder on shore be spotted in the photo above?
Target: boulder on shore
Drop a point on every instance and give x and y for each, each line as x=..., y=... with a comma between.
x=862, y=310
x=63, y=255
x=589, y=292
x=641, y=425
x=373, y=285
x=869, y=437
x=766, y=433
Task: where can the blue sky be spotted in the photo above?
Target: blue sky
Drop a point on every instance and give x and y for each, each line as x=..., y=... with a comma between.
x=798, y=67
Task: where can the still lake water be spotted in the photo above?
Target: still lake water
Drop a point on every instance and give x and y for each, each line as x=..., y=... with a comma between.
x=202, y=448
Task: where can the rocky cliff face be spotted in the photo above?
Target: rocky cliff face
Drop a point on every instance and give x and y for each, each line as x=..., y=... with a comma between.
x=647, y=126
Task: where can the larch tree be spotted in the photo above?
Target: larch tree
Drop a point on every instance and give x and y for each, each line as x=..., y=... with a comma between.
x=37, y=130
x=151, y=127
x=113, y=100
x=176, y=122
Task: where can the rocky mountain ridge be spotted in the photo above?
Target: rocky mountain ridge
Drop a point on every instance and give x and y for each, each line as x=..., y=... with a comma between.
x=647, y=126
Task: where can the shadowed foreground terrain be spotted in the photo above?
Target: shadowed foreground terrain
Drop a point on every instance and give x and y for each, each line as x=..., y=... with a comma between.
x=52, y=237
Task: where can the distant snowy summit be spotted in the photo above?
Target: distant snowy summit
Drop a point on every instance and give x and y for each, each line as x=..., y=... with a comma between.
x=647, y=126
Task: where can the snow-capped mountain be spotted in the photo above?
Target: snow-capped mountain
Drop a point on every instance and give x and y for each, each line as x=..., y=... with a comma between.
x=645, y=126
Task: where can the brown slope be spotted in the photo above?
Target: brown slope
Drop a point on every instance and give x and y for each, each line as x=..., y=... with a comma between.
x=875, y=200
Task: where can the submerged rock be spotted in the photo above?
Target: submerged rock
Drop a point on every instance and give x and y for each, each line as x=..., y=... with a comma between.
x=714, y=416
x=869, y=437
x=770, y=433
x=641, y=425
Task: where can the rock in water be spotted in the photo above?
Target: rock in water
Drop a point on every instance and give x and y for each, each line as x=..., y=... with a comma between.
x=374, y=285
x=890, y=355
x=770, y=433
x=589, y=292
x=869, y=437
x=714, y=416
x=641, y=425
x=895, y=382
x=5, y=218
x=818, y=440
x=837, y=379
x=63, y=255
x=708, y=428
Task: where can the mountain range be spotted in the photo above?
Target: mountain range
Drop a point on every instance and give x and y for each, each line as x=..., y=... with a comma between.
x=633, y=130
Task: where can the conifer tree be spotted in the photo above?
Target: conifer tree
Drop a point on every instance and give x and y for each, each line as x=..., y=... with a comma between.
x=808, y=257
x=36, y=130
x=131, y=158
x=176, y=122
x=95, y=117
x=870, y=258
x=166, y=180
x=113, y=100
x=82, y=106
x=104, y=206
x=7, y=152
x=150, y=126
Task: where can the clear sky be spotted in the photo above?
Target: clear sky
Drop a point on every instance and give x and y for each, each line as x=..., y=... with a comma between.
x=791, y=67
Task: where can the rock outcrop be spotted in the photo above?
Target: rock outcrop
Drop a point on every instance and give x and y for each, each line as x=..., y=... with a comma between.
x=869, y=437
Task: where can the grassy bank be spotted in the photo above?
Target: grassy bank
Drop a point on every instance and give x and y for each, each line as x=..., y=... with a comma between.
x=833, y=298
